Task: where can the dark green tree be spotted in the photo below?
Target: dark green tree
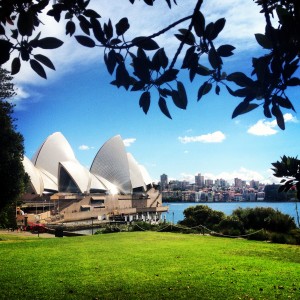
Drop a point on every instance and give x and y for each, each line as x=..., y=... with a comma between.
x=13, y=178
x=140, y=64
x=202, y=215
x=289, y=170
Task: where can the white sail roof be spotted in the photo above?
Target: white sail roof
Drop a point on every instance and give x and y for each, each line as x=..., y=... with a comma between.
x=35, y=176
x=79, y=174
x=54, y=150
x=136, y=176
x=111, y=163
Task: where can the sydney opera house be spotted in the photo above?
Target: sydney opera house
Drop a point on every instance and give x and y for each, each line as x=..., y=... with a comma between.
x=115, y=186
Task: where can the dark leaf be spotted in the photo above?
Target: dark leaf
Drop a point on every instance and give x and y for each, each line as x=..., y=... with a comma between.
x=145, y=101
x=182, y=95
x=38, y=68
x=5, y=47
x=177, y=100
x=84, y=25
x=231, y=92
x=49, y=43
x=108, y=30
x=159, y=60
x=2, y=31
x=283, y=102
x=186, y=36
x=122, y=26
x=137, y=86
x=240, y=79
x=217, y=28
x=25, y=22
x=167, y=76
x=15, y=66
x=165, y=92
x=68, y=15
x=169, y=3
x=145, y=43
x=163, y=107
x=263, y=41
x=208, y=30
x=97, y=30
x=90, y=13
x=294, y=81
x=199, y=23
x=131, y=1
x=122, y=76
x=204, y=71
x=214, y=59
x=279, y=116
x=204, y=89
x=70, y=28
x=44, y=60
x=190, y=59
x=85, y=41
x=115, y=41
x=217, y=90
x=149, y=2
x=267, y=111
x=243, y=107
x=141, y=67
x=111, y=61
x=225, y=50
x=15, y=33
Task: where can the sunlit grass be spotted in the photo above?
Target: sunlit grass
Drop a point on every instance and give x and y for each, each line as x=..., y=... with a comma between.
x=147, y=265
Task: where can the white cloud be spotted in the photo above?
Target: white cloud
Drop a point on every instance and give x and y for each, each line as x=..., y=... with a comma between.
x=128, y=142
x=215, y=137
x=265, y=128
x=84, y=147
x=186, y=152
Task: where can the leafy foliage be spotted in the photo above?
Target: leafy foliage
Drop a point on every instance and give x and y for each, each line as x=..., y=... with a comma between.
x=13, y=178
x=141, y=64
x=289, y=170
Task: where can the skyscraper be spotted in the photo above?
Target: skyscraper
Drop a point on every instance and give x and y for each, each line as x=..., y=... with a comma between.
x=164, y=181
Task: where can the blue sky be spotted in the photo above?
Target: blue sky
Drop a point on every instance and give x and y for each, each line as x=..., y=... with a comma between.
x=78, y=101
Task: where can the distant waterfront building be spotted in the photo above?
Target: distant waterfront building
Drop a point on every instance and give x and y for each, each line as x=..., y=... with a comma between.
x=164, y=182
x=199, y=180
x=209, y=182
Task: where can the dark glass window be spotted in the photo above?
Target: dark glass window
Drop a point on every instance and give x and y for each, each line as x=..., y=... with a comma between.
x=66, y=183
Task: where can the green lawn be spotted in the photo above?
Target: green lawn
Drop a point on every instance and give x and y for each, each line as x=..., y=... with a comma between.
x=147, y=265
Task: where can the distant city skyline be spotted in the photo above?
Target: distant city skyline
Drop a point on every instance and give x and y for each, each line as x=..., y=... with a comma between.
x=79, y=101
x=200, y=180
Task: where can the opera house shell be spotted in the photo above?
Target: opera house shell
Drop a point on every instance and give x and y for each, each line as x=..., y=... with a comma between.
x=114, y=183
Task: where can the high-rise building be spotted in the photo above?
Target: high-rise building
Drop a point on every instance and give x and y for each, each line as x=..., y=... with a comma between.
x=164, y=182
x=199, y=180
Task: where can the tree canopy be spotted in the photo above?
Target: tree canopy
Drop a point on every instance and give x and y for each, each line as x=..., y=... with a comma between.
x=13, y=178
x=140, y=64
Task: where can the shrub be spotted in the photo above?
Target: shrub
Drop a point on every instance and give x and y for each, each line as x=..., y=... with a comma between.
x=255, y=235
x=282, y=238
x=202, y=215
x=264, y=217
x=231, y=226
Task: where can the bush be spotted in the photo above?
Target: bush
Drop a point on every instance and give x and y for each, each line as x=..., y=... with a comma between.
x=231, y=226
x=282, y=238
x=295, y=233
x=264, y=217
x=255, y=235
x=202, y=215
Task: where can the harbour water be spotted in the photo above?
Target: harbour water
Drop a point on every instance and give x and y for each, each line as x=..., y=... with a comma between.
x=175, y=212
